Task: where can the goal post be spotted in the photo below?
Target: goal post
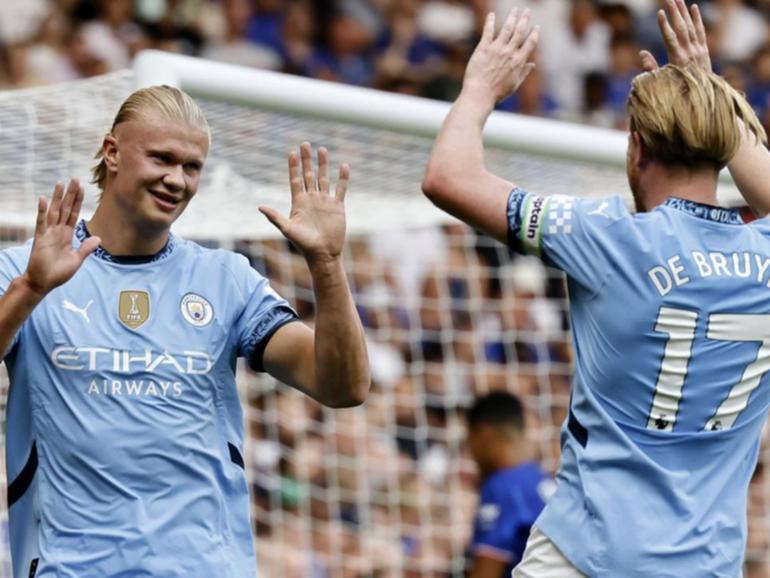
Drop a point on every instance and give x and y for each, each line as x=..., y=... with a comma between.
x=401, y=113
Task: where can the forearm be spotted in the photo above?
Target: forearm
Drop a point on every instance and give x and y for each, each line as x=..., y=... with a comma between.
x=458, y=153
x=750, y=169
x=456, y=179
x=16, y=305
x=341, y=362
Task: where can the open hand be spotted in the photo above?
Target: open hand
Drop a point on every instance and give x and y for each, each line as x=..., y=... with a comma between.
x=53, y=261
x=684, y=36
x=316, y=221
x=500, y=64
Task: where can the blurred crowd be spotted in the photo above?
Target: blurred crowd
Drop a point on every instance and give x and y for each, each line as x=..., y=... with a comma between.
x=587, y=56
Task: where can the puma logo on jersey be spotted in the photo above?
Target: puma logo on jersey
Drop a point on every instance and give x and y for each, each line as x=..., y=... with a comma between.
x=69, y=306
x=600, y=211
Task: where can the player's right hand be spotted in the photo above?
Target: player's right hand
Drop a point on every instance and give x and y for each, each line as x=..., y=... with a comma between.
x=53, y=260
x=500, y=64
x=684, y=36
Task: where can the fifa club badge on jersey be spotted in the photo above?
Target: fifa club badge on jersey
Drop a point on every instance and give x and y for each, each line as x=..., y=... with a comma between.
x=134, y=308
x=196, y=310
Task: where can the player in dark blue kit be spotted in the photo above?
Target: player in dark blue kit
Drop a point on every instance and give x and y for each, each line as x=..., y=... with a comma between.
x=513, y=488
x=669, y=307
x=124, y=426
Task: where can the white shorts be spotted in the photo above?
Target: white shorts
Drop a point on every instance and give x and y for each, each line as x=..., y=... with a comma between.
x=543, y=560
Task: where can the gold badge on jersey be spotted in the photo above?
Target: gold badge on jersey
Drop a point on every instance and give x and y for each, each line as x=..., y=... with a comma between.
x=134, y=308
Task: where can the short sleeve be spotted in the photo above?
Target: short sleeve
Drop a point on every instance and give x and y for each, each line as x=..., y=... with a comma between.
x=573, y=234
x=496, y=527
x=10, y=268
x=264, y=312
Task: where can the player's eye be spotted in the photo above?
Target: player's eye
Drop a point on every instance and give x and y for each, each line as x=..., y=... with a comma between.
x=162, y=158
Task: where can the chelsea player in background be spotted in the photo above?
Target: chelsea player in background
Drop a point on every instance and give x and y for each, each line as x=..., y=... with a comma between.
x=670, y=312
x=124, y=426
x=513, y=488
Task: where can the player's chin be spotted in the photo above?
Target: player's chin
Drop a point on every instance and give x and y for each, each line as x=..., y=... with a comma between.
x=164, y=218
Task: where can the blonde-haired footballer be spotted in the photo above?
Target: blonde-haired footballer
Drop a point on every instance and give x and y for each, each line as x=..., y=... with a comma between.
x=670, y=312
x=125, y=434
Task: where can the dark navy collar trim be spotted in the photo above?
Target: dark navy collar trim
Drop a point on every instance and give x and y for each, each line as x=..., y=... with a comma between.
x=707, y=212
x=81, y=233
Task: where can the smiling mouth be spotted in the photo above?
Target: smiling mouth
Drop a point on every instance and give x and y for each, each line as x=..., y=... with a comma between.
x=166, y=198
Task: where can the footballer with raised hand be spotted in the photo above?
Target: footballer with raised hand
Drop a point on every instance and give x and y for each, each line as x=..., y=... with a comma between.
x=670, y=312
x=124, y=427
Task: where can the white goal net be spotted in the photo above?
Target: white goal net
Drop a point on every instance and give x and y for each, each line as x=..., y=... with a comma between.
x=386, y=489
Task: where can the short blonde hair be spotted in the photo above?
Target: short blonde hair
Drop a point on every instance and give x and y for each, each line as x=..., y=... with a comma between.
x=688, y=116
x=170, y=102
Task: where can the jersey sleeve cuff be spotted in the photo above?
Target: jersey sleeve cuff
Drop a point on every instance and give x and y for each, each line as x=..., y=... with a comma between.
x=271, y=322
x=515, y=201
x=11, y=347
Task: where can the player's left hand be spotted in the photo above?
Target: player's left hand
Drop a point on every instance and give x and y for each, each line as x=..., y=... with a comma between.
x=684, y=36
x=500, y=64
x=316, y=222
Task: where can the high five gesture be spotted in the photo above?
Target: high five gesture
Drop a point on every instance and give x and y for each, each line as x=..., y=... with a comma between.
x=684, y=36
x=456, y=179
x=329, y=364
x=53, y=260
x=500, y=63
x=316, y=222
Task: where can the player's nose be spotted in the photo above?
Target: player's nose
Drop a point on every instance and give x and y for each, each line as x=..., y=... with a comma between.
x=174, y=179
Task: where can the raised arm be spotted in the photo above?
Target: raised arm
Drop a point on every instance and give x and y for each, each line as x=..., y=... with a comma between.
x=456, y=179
x=685, y=38
x=52, y=260
x=328, y=363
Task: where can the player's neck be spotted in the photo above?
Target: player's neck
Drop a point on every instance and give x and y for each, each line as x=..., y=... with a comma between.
x=122, y=237
x=662, y=183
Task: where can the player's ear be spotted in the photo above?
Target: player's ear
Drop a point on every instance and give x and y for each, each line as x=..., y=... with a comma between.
x=637, y=150
x=110, y=152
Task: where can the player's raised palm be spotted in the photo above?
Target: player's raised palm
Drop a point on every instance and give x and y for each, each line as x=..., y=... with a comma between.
x=316, y=222
x=53, y=260
x=500, y=63
x=684, y=36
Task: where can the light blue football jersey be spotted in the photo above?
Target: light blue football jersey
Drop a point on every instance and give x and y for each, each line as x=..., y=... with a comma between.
x=670, y=315
x=124, y=427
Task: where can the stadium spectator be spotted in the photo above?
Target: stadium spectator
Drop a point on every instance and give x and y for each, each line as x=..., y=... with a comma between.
x=235, y=48
x=739, y=30
x=579, y=46
x=113, y=37
x=624, y=66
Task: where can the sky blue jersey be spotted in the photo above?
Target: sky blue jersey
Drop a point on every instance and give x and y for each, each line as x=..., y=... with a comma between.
x=670, y=315
x=509, y=502
x=124, y=428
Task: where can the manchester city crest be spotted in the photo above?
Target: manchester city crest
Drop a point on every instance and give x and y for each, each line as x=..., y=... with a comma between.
x=196, y=310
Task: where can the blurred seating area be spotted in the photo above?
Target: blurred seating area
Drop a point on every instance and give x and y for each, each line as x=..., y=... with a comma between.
x=586, y=60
